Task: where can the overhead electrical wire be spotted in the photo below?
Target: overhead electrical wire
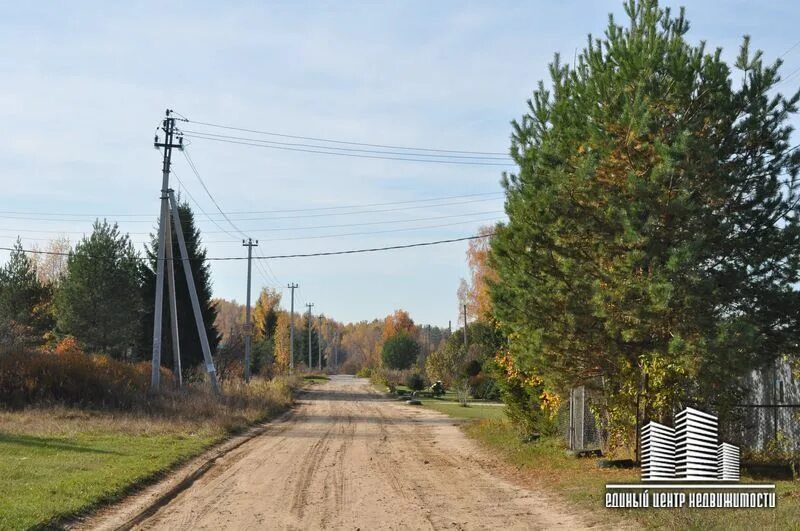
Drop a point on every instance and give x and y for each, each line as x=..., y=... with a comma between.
x=266, y=265
x=257, y=143
x=367, y=233
x=235, y=239
x=272, y=218
x=350, y=150
x=280, y=211
x=350, y=143
x=301, y=255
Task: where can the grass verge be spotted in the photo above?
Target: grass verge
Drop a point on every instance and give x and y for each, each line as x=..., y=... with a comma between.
x=582, y=483
x=473, y=411
x=58, y=461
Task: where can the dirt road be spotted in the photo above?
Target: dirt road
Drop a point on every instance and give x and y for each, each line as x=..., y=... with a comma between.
x=348, y=458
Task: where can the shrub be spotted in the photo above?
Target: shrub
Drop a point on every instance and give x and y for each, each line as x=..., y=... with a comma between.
x=415, y=381
x=388, y=377
x=71, y=377
x=364, y=372
x=484, y=387
x=473, y=368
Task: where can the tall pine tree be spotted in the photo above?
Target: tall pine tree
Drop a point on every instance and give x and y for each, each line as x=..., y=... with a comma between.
x=191, y=350
x=653, y=235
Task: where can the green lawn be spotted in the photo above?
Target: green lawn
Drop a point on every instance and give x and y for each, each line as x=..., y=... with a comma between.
x=43, y=478
x=581, y=482
x=473, y=411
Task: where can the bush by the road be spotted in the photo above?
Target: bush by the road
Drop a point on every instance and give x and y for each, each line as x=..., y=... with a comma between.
x=415, y=381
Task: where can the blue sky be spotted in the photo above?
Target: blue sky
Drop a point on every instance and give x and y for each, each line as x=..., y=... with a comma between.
x=85, y=83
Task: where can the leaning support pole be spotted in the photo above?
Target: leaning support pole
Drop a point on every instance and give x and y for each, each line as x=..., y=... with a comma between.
x=198, y=317
x=173, y=310
x=155, y=379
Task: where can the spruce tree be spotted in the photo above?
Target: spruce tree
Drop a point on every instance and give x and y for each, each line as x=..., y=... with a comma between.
x=191, y=350
x=653, y=235
x=99, y=300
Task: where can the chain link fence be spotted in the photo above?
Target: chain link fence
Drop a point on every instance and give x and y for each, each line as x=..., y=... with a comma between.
x=577, y=423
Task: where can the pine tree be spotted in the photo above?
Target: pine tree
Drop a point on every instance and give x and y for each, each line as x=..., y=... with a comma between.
x=191, y=350
x=653, y=238
x=25, y=313
x=99, y=300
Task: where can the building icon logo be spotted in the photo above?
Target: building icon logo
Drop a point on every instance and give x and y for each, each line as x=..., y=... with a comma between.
x=687, y=466
x=688, y=452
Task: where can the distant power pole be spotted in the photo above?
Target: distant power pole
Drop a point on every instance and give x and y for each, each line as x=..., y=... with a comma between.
x=310, y=363
x=248, y=327
x=449, y=327
x=291, y=330
x=428, y=341
x=466, y=346
x=336, y=350
x=319, y=342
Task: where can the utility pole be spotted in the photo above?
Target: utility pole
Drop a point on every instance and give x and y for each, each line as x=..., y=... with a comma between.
x=168, y=126
x=430, y=347
x=173, y=313
x=466, y=345
x=319, y=342
x=310, y=363
x=291, y=330
x=336, y=350
x=248, y=327
x=198, y=316
x=449, y=327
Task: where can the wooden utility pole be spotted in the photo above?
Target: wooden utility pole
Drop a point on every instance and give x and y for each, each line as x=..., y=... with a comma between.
x=291, y=330
x=168, y=127
x=248, y=326
x=310, y=363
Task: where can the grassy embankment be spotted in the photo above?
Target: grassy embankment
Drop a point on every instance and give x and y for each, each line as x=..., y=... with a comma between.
x=60, y=461
x=582, y=483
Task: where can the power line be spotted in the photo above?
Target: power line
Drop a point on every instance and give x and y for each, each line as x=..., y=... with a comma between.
x=234, y=212
x=362, y=233
x=350, y=150
x=256, y=143
x=350, y=143
x=208, y=192
x=272, y=218
x=368, y=233
x=304, y=255
x=792, y=47
x=200, y=207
